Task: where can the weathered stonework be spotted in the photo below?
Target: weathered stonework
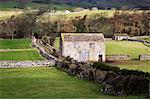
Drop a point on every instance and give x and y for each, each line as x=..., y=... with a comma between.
x=83, y=47
x=144, y=57
x=110, y=58
x=18, y=64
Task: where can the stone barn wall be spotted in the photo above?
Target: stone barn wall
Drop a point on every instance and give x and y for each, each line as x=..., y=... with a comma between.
x=117, y=58
x=18, y=64
x=144, y=57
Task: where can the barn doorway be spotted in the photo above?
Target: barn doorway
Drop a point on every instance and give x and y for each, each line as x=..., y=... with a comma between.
x=100, y=58
x=84, y=56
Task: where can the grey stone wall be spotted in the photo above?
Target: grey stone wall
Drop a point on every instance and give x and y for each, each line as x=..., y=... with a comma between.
x=144, y=57
x=43, y=52
x=117, y=58
x=18, y=64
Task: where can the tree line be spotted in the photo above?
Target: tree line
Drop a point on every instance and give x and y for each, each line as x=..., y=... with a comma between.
x=28, y=24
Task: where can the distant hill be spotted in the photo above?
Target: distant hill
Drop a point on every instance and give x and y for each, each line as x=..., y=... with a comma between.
x=69, y=4
x=101, y=3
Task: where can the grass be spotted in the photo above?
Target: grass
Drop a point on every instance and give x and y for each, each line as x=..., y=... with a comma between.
x=7, y=14
x=56, y=43
x=124, y=47
x=90, y=13
x=20, y=55
x=15, y=43
x=133, y=65
x=18, y=49
x=48, y=83
x=8, y=5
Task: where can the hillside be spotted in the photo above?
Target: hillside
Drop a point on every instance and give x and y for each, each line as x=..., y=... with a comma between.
x=10, y=4
x=101, y=3
x=69, y=4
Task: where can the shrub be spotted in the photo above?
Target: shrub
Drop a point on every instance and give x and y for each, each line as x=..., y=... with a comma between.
x=103, y=67
x=125, y=72
x=125, y=85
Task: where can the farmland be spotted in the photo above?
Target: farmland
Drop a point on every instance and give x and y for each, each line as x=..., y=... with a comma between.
x=20, y=55
x=4, y=6
x=134, y=49
x=18, y=49
x=133, y=65
x=15, y=43
x=48, y=83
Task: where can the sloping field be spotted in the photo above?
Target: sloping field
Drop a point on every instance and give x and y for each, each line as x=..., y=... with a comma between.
x=48, y=83
x=133, y=65
x=8, y=14
x=134, y=49
x=59, y=15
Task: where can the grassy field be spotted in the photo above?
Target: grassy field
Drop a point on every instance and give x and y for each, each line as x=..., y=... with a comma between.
x=8, y=14
x=15, y=43
x=133, y=65
x=48, y=83
x=18, y=49
x=20, y=55
x=90, y=13
x=4, y=6
x=124, y=47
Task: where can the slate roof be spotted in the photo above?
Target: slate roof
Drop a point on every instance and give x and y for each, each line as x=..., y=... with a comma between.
x=82, y=37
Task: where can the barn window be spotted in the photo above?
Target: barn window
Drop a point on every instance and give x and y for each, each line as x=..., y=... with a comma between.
x=92, y=45
x=76, y=45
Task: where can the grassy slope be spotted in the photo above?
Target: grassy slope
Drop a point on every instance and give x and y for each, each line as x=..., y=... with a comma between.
x=15, y=43
x=48, y=83
x=124, y=47
x=8, y=14
x=20, y=55
x=11, y=4
x=133, y=65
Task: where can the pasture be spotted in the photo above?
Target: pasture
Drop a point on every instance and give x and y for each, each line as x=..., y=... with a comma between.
x=133, y=65
x=18, y=49
x=20, y=55
x=5, y=6
x=61, y=15
x=134, y=49
x=7, y=14
x=48, y=82
x=15, y=43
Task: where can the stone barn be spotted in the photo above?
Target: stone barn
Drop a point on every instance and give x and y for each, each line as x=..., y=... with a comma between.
x=120, y=36
x=83, y=47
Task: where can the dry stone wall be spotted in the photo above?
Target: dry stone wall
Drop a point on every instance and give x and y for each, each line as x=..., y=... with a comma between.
x=18, y=64
x=144, y=57
x=117, y=58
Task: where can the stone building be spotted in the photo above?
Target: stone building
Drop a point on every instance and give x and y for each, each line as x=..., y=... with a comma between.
x=83, y=46
x=120, y=36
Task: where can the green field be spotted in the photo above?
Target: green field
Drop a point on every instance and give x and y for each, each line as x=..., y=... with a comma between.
x=124, y=47
x=133, y=65
x=15, y=43
x=20, y=55
x=18, y=49
x=48, y=83
x=4, y=6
